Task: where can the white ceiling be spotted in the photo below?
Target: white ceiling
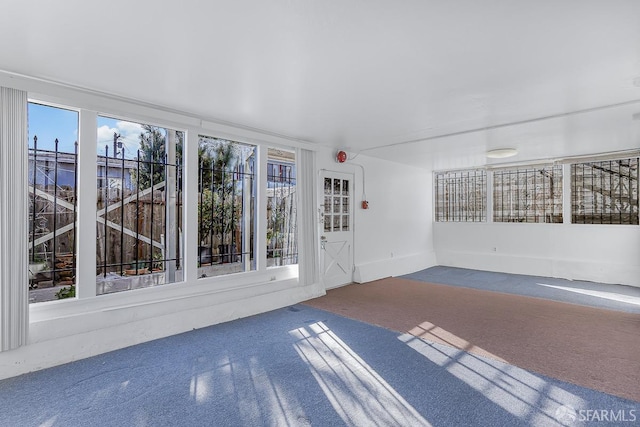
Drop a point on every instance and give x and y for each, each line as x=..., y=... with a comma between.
x=357, y=74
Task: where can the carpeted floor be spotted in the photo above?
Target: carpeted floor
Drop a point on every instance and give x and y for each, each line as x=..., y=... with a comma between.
x=590, y=294
x=299, y=366
x=591, y=347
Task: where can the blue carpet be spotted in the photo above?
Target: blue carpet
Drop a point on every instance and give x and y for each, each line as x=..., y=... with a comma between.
x=298, y=366
x=591, y=294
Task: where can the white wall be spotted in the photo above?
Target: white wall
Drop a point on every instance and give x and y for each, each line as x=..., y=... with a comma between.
x=394, y=236
x=60, y=333
x=601, y=253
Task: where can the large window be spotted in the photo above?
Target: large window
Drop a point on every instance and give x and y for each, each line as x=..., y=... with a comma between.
x=226, y=207
x=531, y=194
x=461, y=196
x=282, y=241
x=139, y=205
x=52, y=198
x=605, y=192
x=139, y=218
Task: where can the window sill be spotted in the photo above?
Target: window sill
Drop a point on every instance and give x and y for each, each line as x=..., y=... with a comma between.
x=73, y=307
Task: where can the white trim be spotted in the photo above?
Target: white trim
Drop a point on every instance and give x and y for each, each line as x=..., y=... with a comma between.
x=190, y=205
x=520, y=165
x=595, y=157
x=600, y=157
x=87, y=200
x=260, y=251
x=489, y=210
x=566, y=194
x=130, y=109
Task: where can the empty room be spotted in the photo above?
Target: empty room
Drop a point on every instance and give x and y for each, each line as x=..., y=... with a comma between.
x=320, y=213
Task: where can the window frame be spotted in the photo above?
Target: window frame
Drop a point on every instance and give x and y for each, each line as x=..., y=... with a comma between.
x=124, y=270
x=121, y=109
x=573, y=202
x=290, y=251
x=56, y=172
x=247, y=217
x=529, y=171
x=462, y=215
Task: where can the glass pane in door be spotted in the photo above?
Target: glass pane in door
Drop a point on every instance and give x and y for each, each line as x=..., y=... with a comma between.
x=336, y=187
x=336, y=222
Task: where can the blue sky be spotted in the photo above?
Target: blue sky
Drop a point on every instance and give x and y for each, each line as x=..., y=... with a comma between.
x=49, y=123
x=129, y=136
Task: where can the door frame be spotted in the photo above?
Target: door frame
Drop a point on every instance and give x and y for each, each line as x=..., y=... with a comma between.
x=350, y=176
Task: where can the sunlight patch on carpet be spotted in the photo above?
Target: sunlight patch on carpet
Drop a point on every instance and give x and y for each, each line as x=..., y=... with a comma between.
x=613, y=296
x=200, y=387
x=519, y=392
x=431, y=332
x=358, y=394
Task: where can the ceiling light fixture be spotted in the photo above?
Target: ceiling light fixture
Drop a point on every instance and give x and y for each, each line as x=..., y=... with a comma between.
x=501, y=153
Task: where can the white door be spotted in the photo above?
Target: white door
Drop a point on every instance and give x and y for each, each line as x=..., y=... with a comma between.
x=336, y=228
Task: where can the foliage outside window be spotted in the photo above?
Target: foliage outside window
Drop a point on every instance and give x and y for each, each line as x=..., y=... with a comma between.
x=531, y=194
x=460, y=196
x=226, y=206
x=139, y=206
x=282, y=242
x=139, y=218
x=52, y=202
x=605, y=192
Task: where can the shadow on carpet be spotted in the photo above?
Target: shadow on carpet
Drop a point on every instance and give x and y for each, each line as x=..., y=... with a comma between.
x=587, y=346
x=297, y=366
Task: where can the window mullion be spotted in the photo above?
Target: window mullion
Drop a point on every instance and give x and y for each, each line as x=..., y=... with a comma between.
x=489, y=195
x=566, y=193
x=87, y=172
x=190, y=205
x=261, y=214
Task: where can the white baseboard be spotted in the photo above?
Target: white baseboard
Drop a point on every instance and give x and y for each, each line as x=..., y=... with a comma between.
x=548, y=267
x=395, y=266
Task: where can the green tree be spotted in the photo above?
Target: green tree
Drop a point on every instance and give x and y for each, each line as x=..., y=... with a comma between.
x=152, y=157
x=152, y=154
x=221, y=209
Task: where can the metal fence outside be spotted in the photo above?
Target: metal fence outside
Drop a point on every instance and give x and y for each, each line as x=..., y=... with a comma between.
x=52, y=213
x=139, y=204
